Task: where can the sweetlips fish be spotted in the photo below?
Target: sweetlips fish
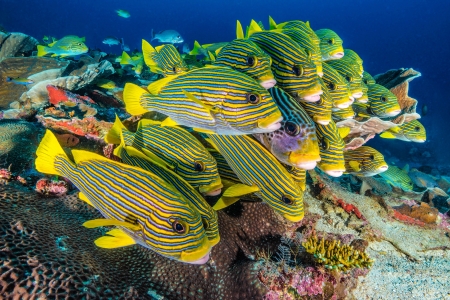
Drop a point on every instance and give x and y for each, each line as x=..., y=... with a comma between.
x=105, y=84
x=412, y=131
x=136, y=61
x=67, y=46
x=398, y=177
x=225, y=171
x=167, y=36
x=211, y=100
x=422, y=180
x=343, y=114
x=348, y=70
x=352, y=55
x=148, y=210
x=364, y=161
x=246, y=57
x=293, y=70
x=174, y=147
x=382, y=103
x=337, y=86
x=132, y=156
x=165, y=59
x=260, y=173
x=123, y=13
x=299, y=176
x=331, y=146
x=205, y=49
x=295, y=143
x=367, y=78
x=20, y=80
x=320, y=111
x=111, y=41
x=330, y=44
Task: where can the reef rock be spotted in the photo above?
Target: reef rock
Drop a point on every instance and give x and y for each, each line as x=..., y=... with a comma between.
x=16, y=44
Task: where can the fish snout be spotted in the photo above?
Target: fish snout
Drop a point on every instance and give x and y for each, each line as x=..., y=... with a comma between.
x=357, y=95
x=198, y=256
x=269, y=83
x=213, y=189
x=334, y=173
x=337, y=55
x=393, y=112
x=383, y=168
x=313, y=98
x=293, y=218
x=271, y=122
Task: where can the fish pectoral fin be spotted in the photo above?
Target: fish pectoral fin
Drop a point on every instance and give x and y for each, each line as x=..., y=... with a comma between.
x=110, y=222
x=147, y=122
x=201, y=130
x=344, y=131
x=169, y=122
x=115, y=238
x=355, y=165
x=156, y=87
x=199, y=102
x=147, y=155
x=387, y=135
x=84, y=198
x=224, y=202
x=240, y=189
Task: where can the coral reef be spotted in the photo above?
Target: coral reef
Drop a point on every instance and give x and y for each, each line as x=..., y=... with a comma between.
x=15, y=44
x=53, y=188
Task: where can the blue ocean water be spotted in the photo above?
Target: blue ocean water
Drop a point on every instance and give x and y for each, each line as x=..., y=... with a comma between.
x=386, y=34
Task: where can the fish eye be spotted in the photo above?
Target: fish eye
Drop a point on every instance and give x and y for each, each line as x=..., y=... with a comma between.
x=330, y=41
x=178, y=36
x=331, y=86
x=179, y=226
x=251, y=61
x=287, y=200
x=253, y=98
x=365, y=81
x=298, y=70
x=205, y=223
x=199, y=166
x=383, y=98
x=348, y=78
x=292, y=129
x=372, y=157
x=417, y=128
x=324, y=144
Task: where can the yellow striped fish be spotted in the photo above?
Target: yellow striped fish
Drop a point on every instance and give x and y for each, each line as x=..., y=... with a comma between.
x=164, y=59
x=293, y=70
x=337, y=86
x=343, y=114
x=331, y=148
x=295, y=143
x=364, y=161
x=382, y=103
x=398, y=177
x=132, y=156
x=260, y=173
x=365, y=97
x=246, y=57
x=352, y=55
x=330, y=44
x=320, y=111
x=299, y=176
x=367, y=78
x=349, y=71
x=412, y=131
x=211, y=100
x=225, y=171
x=149, y=210
x=174, y=147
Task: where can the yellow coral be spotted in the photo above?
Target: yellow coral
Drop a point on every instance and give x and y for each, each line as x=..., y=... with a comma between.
x=333, y=255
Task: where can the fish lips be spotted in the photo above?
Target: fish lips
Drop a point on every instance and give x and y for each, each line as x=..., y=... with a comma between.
x=267, y=84
x=294, y=218
x=198, y=256
x=211, y=190
x=270, y=123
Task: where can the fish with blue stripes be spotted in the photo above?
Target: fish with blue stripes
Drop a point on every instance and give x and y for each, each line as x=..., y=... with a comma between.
x=299, y=176
x=412, y=131
x=211, y=99
x=174, y=147
x=337, y=86
x=364, y=161
x=352, y=55
x=330, y=44
x=148, y=210
x=321, y=111
x=398, y=177
x=367, y=78
x=260, y=173
x=351, y=74
x=343, y=114
x=164, y=59
x=382, y=103
x=295, y=143
x=331, y=146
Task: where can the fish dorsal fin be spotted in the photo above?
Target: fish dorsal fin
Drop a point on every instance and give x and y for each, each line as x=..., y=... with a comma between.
x=126, y=59
x=254, y=27
x=113, y=135
x=344, y=131
x=84, y=198
x=158, y=48
x=307, y=24
x=406, y=168
x=152, y=157
x=147, y=122
x=202, y=130
x=272, y=23
x=110, y=222
x=156, y=87
x=354, y=165
x=387, y=135
x=115, y=238
x=169, y=122
x=52, y=44
x=149, y=53
x=83, y=155
x=239, y=31
x=217, y=51
x=211, y=56
x=196, y=49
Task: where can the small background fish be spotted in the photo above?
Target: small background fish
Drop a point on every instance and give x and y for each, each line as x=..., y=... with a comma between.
x=168, y=36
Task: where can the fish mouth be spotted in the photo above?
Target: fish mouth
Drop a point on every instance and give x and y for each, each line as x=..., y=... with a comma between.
x=302, y=161
x=200, y=261
x=271, y=122
x=293, y=218
x=324, y=122
x=343, y=105
x=357, y=94
x=419, y=140
x=307, y=165
x=211, y=190
x=198, y=256
x=363, y=100
x=312, y=95
x=393, y=112
x=337, y=55
x=267, y=84
x=334, y=173
x=383, y=168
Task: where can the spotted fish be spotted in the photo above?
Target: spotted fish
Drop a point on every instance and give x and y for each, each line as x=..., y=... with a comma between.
x=331, y=148
x=174, y=147
x=364, y=161
x=295, y=143
x=148, y=210
x=164, y=59
x=412, y=131
x=210, y=99
x=330, y=44
x=260, y=173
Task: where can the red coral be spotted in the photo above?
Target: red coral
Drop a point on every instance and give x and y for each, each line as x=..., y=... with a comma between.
x=51, y=188
x=407, y=219
x=350, y=208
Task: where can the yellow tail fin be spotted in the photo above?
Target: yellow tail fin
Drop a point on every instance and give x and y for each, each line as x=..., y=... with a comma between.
x=113, y=135
x=48, y=150
x=42, y=50
x=132, y=97
x=149, y=53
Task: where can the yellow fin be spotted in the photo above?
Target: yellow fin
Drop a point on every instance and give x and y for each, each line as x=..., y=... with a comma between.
x=110, y=222
x=148, y=52
x=254, y=27
x=150, y=156
x=132, y=94
x=217, y=51
x=354, y=165
x=113, y=135
x=52, y=43
x=307, y=24
x=272, y=23
x=169, y=122
x=49, y=149
x=202, y=130
x=156, y=87
x=240, y=189
x=395, y=129
x=344, y=131
x=147, y=122
x=224, y=202
x=196, y=49
x=126, y=59
x=84, y=198
x=42, y=50
x=239, y=30
x=361, y=114
x=83, y=155
x=115, y=238
x=387, y=135
x=211, y=56
x=195, y=100
x=212, y=144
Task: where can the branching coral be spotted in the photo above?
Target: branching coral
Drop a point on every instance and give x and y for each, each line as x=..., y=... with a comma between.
x=333, y=255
